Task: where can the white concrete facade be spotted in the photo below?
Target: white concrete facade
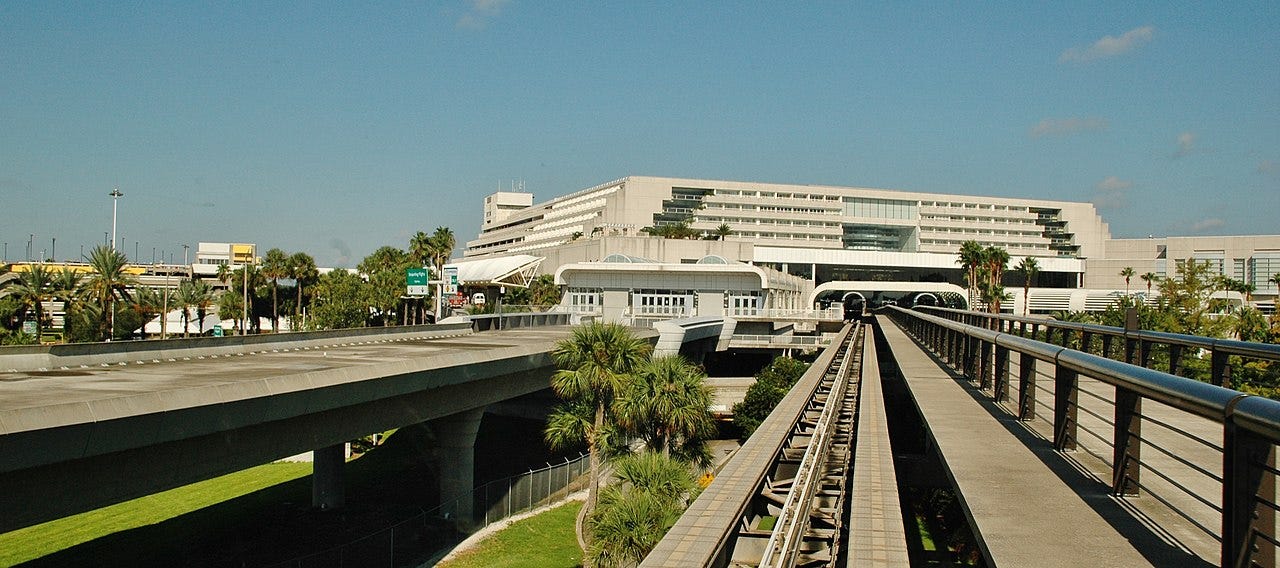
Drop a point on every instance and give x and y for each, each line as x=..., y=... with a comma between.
x=1252, y=259
x=640, y=291
x=804, y=216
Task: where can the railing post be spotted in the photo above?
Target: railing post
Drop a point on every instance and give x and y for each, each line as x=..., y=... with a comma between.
x=1127, y=446
x=1144, y=353
x=1175, y=359
x=1220, y=372
x=1026, y=387
x=970, y=357
x=1130, y=350
x=1244, y=479
x=1106, y=346
x=1065, y=382
x=1086, y=341
x=984, y=378
x=1001, y=389
x=1035, y=331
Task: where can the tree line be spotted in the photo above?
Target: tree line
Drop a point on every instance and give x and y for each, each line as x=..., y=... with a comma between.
x=109, y=302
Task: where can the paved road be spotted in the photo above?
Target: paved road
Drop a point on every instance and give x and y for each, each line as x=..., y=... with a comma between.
x=21, y=392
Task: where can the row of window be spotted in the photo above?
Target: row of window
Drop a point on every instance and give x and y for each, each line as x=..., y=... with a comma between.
x=973, y=219
x=776, y=194
x=986, y=206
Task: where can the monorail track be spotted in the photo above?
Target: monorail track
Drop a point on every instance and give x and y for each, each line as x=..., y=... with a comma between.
x=797, y=516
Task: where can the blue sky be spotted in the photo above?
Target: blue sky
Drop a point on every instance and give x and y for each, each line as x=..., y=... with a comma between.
x=335, y=128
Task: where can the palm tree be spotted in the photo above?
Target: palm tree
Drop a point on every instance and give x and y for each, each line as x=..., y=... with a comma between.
x=595, y=363
x=1149, y=278
x=32, y=288
x=666, y=405
x=1029, y=268
x=441, y=248
x=275, y=265
x=1127, y=273
x=420, y=249
x=147, y=302
x=722, y=231
x=636, y=512
x=302, y=269
x=997, y=261
x=109, y=281
x=202, y=298
x=972, y=256
x=184, y=299
x=230, y=306
x=224, y=274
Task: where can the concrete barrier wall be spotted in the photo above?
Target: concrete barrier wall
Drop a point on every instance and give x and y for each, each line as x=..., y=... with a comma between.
x=37, y=357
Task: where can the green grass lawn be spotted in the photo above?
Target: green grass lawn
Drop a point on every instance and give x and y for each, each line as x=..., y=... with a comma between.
x=33, y=542
x=545, y=539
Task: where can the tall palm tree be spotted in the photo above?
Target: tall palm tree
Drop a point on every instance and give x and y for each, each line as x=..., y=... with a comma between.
x=595, y=363
x=109, y=282
x=275, y=265
x=1127, y=273
x=1029, y=267
x=1149, y=278
x=420, y=249
x=33, y=287
x=442, y=242
x=185, y=299
x=997, y=261
x=972, y=256
x=666, y=405
x=303, y=271
x=201, y=298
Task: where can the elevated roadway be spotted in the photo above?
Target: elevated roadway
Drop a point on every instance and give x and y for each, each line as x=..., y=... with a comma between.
x=77, y=438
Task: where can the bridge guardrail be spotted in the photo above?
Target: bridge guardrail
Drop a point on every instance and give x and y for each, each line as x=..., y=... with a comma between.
x=1250, y=425
x=487, y=322
x=1138, y=345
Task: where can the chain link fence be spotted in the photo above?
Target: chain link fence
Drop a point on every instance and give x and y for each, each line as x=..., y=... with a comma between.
x=411, y=541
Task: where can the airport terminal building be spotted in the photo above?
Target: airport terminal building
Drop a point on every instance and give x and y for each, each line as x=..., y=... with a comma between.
x=829, y=233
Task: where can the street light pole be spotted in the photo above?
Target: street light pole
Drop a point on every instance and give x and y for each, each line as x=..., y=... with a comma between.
x=115, y=200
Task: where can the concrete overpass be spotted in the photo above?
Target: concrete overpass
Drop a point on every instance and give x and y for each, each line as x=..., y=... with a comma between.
x=85, y=426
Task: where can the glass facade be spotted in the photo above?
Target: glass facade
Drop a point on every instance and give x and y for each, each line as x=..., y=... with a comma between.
x=1261, y=267
x=881, y=208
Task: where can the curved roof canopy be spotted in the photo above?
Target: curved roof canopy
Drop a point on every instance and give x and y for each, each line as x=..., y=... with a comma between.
x=714, y=259
x=515, y=270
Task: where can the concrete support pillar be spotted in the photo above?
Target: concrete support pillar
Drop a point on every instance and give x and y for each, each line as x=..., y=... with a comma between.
x=328, y=491
x=455, y=442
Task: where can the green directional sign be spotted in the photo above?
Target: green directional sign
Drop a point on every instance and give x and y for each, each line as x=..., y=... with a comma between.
x=417, y=278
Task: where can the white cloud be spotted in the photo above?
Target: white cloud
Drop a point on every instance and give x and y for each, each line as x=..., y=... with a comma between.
x=1206, y=224
x=1112, y=193
x=479, y=12
x=1186, y=144
x=1109, y=46
x=1113, y=183
x=1065, y=126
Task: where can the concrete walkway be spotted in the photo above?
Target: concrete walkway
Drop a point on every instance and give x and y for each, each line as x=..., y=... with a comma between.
x=1028, y=505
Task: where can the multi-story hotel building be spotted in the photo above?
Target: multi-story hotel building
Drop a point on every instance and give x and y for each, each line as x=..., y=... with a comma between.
x=827, y=233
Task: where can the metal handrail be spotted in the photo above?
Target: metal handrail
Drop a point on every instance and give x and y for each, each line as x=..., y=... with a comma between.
x=1251, y=424
x=1268, y=351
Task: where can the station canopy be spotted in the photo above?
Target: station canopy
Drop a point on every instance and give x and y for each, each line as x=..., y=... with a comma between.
x=516, y=270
